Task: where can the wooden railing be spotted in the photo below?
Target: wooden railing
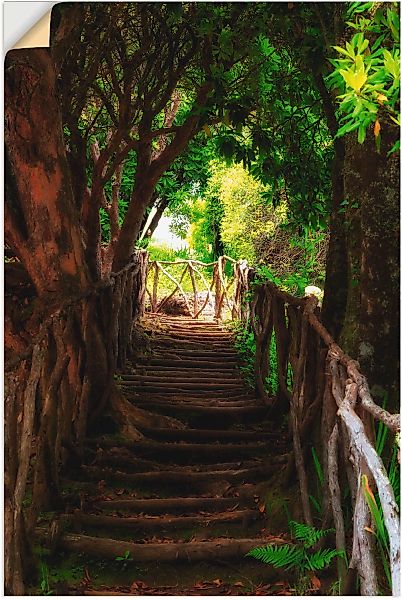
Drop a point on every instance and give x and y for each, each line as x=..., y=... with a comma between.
x=226, y=293
x=323, y=390
x=60, y=384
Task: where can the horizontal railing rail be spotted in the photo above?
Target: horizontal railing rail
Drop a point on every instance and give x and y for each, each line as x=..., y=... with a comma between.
x=224, y=292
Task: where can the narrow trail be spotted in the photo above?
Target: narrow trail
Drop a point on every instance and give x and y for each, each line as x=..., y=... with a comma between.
x=181, y=507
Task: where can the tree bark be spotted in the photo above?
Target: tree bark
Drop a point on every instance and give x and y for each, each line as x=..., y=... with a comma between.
x=335, y=290
x=41, y=223
x=43, y=229
x=371, y=329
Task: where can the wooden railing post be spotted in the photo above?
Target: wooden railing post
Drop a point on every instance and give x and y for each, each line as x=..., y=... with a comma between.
x=218, y=288
x=194, y=285
x=154, y=300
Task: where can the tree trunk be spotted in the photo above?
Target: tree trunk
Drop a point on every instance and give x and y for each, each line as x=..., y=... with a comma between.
x=42, y=227
x=336, y=282
x=157, y=217
x=371, y=330
x=41, y=221
x=150, y=169
x=131, y=227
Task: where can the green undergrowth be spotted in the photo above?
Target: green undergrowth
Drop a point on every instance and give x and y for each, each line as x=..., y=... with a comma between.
x=66, y=570
x=245, y=345
x=300, y=554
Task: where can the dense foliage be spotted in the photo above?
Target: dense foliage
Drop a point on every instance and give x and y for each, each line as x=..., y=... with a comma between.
x=367, y=72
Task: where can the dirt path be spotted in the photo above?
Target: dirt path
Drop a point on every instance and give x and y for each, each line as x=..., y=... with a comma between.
x=176, y=512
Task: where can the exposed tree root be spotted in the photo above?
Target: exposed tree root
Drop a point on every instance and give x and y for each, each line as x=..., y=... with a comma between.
x=129, y=417
x=218, y=549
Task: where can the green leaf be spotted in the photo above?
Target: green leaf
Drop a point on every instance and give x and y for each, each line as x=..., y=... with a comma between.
x=307, y=534
x=377, y=43
x=317, y=465
x=391, y=65
x=354, y=79
x=395, y=148
x=322, y=558
x=315, y=503
x=361, y=134
x=351, y=126
x=343, y=51
x=350, y=50
x=281, y=557
x=358, y=7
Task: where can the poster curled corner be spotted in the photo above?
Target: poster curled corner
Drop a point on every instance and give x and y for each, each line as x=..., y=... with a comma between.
x=37, y=36
x=26, y=24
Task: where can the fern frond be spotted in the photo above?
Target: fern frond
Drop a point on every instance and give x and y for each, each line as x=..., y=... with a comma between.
x=280, y=557
x=307, y=534
x=322, y=558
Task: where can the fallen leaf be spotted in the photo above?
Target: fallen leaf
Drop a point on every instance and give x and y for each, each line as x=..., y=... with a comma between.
x=261, y=508
x=315, y=582
x=239, y=584
x=261, y=590
x=202, y=585
x=377, y=128
x=369, y=529
x=218, y=582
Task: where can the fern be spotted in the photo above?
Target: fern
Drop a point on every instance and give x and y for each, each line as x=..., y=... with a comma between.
x=307, y=534
x=322, y=558
x=280, y=557
x=298, y=556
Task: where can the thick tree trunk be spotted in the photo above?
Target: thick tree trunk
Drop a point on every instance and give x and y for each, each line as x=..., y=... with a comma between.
x=371, y=330
x=41, y=223
x=42, y=228
x=141, y=198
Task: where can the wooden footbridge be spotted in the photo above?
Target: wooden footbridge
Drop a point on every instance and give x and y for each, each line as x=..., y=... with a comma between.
x=186, y=496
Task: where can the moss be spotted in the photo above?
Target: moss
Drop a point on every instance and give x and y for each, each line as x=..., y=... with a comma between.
x=278, y=505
